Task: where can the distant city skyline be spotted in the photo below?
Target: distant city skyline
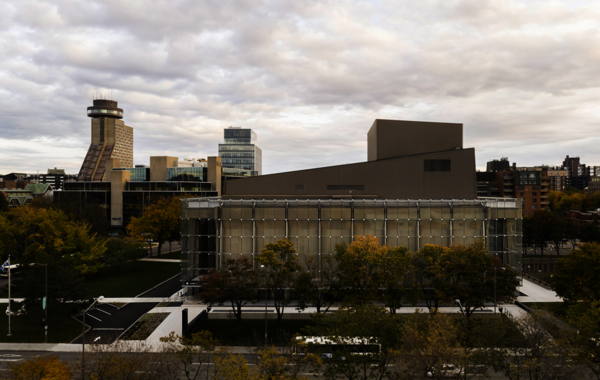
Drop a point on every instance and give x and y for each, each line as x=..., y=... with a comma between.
x=309, y=78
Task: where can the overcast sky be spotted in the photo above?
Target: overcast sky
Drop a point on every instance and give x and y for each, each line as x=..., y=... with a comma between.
x=308, y=76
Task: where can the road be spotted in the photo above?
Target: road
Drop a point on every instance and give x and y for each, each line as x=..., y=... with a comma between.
x=74, y=357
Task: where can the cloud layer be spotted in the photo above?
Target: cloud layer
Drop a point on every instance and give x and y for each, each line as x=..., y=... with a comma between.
x=309, y=77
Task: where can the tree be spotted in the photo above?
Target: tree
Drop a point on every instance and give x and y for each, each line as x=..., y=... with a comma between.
x=196, y=354
x=472, y=273
x=280, y=265
x=359, y=268
x=47, y=367
x=394, y=277
x=236, y=283
x=46, y=236
x=316, y=286
x=589, y=232
x=431, y=283
x=367, y=324
x=575, y=275
x=587, y=335
x=427, y=345
x=232, y=367
x=158, y=222
x=541, y=350
x=3, y=202
x=135, y=360
x=120, y=251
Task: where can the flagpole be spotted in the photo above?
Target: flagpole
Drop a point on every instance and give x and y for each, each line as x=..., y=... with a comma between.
x=9, y=311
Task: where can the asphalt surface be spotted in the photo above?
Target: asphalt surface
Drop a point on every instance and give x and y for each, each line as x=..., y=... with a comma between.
x=108, y=322
x=166, y=289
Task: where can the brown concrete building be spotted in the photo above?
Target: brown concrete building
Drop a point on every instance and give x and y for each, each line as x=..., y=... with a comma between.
x=406, y=160
x=418, y=187
x=111, y=139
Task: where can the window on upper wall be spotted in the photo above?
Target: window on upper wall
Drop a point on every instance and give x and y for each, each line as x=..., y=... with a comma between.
x=534, y=207
x=522, y=194
x=437, y=165
x=298, y=187
x=534, y=194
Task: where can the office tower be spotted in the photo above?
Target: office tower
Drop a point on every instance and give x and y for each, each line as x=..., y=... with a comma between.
x=239, y=150
x=111, y=138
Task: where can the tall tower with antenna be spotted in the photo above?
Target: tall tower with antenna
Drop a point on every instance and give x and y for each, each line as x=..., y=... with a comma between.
x=111, y=138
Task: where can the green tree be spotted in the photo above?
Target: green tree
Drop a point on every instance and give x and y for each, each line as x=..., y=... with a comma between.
x=281, y=264
x=472, y=273
x=46, y=236
x=587, y=334
x=120, y=251
x=575, y=275
x=236, y=284
x=318, y=286
x=589, y=232
x=542, y=350
x=3, y=202
x=359, y=267
x=158, y=222
x=395, y=277
x=430, y=281
x=367, y=324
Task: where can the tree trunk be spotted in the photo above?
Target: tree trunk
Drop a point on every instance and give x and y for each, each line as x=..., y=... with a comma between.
x=159, y=248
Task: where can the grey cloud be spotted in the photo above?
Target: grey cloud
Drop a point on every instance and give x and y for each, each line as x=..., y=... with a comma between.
x=309, y=76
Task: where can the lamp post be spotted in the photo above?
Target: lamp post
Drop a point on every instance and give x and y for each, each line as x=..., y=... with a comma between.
x=460, y=306
x=83, y=340
x=262, y=266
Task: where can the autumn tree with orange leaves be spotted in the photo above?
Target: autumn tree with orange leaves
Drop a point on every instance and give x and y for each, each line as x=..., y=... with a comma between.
x=359, y=269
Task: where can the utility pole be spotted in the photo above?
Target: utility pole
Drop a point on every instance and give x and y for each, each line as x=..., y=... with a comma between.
x=46, y=309
x=9, y=311
x=262, y=266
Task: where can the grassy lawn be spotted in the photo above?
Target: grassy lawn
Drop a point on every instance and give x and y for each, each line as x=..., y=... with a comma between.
x=253, y=331
x=143, y=328
x=130, y=280
x=27, y=328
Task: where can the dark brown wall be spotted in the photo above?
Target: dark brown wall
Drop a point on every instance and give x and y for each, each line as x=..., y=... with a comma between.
x=398, y=138
x=395, y=178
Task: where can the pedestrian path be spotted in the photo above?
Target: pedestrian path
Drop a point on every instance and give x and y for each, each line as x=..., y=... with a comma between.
x=173, y=322
x=535, y=293
x=161, y=260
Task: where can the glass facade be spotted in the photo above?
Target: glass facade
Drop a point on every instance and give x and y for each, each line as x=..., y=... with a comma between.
x=137, y=174
x=215, y=229
x=197, y=174
x=240, y=151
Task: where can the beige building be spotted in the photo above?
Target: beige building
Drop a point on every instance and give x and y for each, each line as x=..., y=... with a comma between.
x=558, y=179
x=111, y=139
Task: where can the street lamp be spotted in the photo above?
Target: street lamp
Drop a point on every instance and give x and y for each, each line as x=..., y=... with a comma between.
x=460, y=306
x=83, y=341
x=262, y=266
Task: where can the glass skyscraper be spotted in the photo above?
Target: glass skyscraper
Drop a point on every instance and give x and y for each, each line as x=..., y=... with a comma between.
x=239, y=150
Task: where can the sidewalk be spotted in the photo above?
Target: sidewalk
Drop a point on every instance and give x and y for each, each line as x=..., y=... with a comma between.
x=173, y=321
x=536, y=293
